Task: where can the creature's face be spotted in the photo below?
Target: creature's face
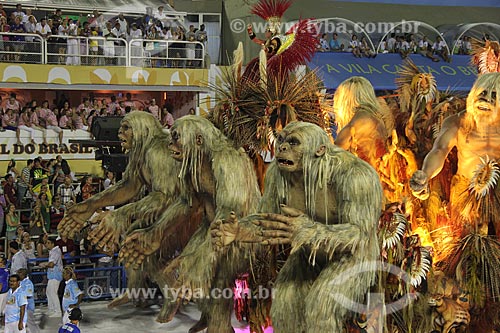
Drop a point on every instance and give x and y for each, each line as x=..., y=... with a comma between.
x=176, y=145
x=485, y=107
x=126, y=135
x=290, y=151
x=424, y=85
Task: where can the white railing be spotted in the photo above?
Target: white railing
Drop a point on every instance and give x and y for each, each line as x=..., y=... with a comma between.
x=93, y=51
x=100, y=51
x=21, y=48
x=166, y=53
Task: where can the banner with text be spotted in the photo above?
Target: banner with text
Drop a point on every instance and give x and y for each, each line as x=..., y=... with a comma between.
x=381, y=71
x=9, y=149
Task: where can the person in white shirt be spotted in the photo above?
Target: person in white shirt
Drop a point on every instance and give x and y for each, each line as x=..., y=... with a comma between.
x=123, y=26
x=110, y=181
x=163, y=17
x=440, y=49
x=43, y=29
x=19, y=259
x=391, y=43
x=136, y=46
x=15, y=310
x=54, y=275
x=19, y=12
x=354, y=46
x=73, y=44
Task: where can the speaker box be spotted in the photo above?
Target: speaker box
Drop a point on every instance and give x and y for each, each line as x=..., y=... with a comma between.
x=106, y=128
x=115, y=162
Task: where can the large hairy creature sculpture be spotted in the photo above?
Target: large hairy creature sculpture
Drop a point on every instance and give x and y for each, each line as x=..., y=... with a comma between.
x=150, y=166
x=333, y=201
x=216, y=179
x=145, y=142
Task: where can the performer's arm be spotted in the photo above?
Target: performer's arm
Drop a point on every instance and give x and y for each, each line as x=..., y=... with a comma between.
x=447, y=139
x=253, y=37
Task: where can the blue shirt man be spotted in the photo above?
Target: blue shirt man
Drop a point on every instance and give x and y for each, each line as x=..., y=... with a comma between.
x=15, y=309
x=72, y=327
x=71, y=294
x=69, y=328
x=28, y=288
x=4, y=281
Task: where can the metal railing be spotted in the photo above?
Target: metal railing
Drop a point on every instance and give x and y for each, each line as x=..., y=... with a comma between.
x=21, y=48
x=92, y=51
x=100, y=51
x=166, y=53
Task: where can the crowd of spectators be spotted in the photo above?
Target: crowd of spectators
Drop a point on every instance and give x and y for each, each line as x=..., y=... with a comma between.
x=401, y=44
x=35, y=116
x=63, y=47
x=33, y=202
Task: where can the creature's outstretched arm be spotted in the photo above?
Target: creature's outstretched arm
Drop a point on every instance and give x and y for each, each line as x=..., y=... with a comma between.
x=122, y=192
x=143, y=242
x=77, y=215
x=144, y=212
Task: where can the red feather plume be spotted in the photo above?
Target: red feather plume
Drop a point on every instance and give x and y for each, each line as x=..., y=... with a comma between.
x=271, y=8
x=300, y=51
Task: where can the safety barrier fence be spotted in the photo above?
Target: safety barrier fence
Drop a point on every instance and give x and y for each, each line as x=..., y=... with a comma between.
x=100, y=51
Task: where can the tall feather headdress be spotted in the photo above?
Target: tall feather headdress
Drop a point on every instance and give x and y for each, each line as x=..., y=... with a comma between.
x=272, y=11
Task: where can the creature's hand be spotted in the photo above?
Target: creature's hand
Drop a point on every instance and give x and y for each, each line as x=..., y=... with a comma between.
x=224, y=232
x=419, y=184
x=138, y=245
x=74, y=219
x=107, y=233
x=279, y=229
x=249, y=29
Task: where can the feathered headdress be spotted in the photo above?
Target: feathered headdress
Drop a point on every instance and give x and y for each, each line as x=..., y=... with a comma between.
x=272, y=11
x=297, y=46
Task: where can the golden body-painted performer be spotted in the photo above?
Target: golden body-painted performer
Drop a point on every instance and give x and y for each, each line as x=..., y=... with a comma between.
x=364, y=123
x=475, y=132
x=333, y=201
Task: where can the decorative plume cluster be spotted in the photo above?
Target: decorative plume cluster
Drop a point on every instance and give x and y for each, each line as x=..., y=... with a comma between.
x=271, y=8
x=420, y=265
x=297, y=47
x=414, y=86
x=485, y=178
x=393, y=231
x=251, y=113
x=475, y=262
x=486, y=56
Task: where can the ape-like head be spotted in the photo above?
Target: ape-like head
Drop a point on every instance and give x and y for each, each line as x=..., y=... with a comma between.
x=299, y=143
x=139, y=131
x=126, y=135
x=483, y=103
x=194, y=140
